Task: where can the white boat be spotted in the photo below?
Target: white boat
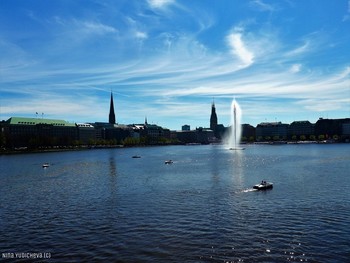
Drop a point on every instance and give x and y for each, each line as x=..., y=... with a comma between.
x=168, y=162
x=45, y=165
x=263, y=186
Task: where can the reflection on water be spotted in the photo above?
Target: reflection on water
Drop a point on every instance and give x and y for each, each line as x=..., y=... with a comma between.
x=237, y=164
x=106, y=206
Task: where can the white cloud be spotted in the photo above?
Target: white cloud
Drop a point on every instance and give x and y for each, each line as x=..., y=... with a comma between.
x=141, y=35
x=95, y=27
x=84, y=26
x=158, y=4
x=239, y=49
x=295, y=68
x=176, y=66
x=345, y=73
x=299, y=50
x=262, y=6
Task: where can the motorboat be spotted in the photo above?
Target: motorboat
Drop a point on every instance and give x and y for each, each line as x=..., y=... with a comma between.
x=46, y=165
x=263, y=186
x=236, y=148
x=168, y=162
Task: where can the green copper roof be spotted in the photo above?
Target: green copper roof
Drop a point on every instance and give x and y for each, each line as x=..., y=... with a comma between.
x=35, y=121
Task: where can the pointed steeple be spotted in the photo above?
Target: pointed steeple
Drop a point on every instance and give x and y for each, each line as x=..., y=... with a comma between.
x=213, y=117
x=111, y=111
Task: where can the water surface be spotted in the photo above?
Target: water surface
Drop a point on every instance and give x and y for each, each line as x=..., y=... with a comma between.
x=103, y=205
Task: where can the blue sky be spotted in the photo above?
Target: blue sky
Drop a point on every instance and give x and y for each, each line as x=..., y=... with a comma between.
x=282, y=60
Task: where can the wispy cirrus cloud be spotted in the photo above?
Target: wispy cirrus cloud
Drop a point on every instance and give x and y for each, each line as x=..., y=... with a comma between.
x=295, y=68
x=299, y=50
x=159, y=4
x=346, y=17
x=262, y=6
x=238, y=47
x=84, y=26
x=172, y=58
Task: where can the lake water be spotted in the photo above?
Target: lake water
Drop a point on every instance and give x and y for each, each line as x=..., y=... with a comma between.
x=105, y=206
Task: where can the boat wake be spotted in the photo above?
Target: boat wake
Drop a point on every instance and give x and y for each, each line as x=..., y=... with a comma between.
x=249, y=190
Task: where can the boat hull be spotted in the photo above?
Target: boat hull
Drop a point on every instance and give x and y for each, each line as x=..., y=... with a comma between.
x=237, y=149
x=265, y=186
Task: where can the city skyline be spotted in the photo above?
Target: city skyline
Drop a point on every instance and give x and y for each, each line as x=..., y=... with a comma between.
x=166, y=59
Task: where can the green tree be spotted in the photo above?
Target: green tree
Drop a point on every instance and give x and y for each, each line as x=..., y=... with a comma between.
x=321, y=137
x=276, y=138
x=302, y=137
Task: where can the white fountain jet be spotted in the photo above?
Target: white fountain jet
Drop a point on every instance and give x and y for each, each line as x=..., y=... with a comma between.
x=236, y=128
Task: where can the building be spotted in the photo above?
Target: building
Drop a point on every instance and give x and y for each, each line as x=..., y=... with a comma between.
x=299, y=129
x=152, y=133
x=267, y=131
x=116, y=133
x=111, y=118
x=199, y=135
x=213, y=118
x=330, y=128
x=86, y=133
x=248, y=132
x=346, y=131
x=186, y=127
x=35, y=132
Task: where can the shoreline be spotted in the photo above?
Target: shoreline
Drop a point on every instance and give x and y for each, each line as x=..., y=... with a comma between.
x=24, y=150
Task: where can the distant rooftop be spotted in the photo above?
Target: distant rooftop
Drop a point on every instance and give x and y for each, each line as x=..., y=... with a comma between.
x=36, y=121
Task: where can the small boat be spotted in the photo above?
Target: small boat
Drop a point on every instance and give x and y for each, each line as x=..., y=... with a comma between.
x=263, y=186
x=136, y=156
x=236, y=148
x=45, y=165
x=168, y=162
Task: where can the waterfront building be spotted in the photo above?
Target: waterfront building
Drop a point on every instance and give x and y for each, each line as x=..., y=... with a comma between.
x=112, y=132
x=267, y=131
x=205, y=136
x=330, y=128
x=213, y=118
x=185, y=136
x=298, y=129
x=151, y=132
x=86, y=132
x=248, y=132
x=117, y=133
x=199, y=135
x=346, y=131
x=35, y=132
x=186, y=127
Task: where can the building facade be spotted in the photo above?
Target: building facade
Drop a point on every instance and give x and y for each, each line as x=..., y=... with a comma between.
x=35, y=132
x=248, y=132
x=299, y=130
x=267, y=131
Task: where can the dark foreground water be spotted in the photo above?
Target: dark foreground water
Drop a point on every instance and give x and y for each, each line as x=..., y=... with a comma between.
x=104, y=206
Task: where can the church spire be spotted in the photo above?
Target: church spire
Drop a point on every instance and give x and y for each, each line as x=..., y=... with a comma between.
x=111, y=111
x=213, y=117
